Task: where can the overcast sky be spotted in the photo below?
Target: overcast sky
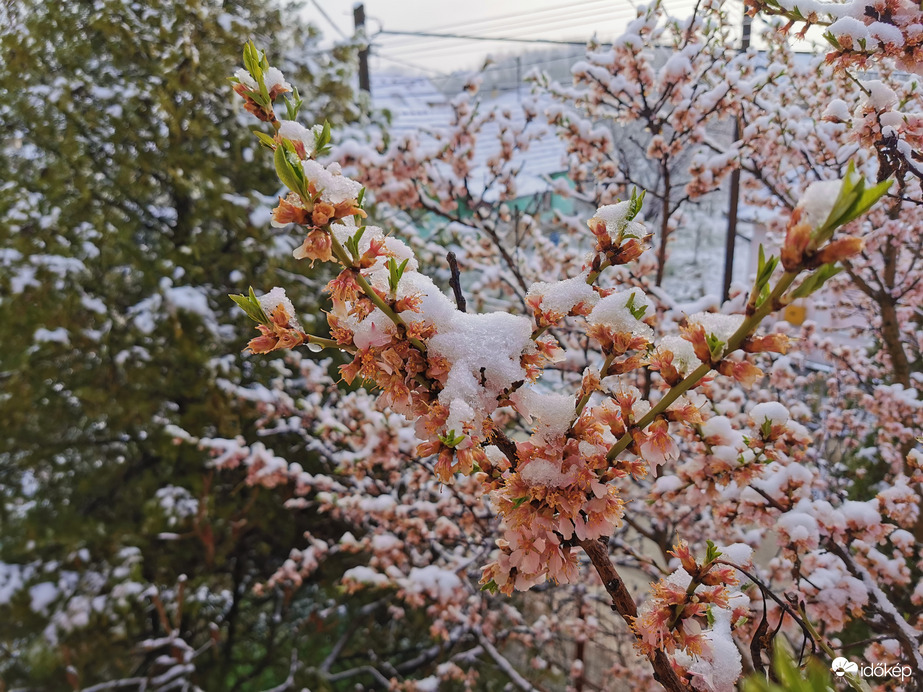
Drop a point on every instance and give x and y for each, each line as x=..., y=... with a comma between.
x=524, y=19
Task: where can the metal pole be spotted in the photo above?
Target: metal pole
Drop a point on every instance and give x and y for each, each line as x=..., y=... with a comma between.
x=735, y=189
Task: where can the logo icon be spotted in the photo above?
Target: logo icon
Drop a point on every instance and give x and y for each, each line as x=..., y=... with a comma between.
x=841, y=666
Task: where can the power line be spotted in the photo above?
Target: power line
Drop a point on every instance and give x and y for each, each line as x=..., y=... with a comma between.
x=437, y=74
x=576, y=20
x=481, y=38
x=520, y=15
x=459, y=49
x=326, y=16
x=426, y=45
x=441, y=76
x=553, y=22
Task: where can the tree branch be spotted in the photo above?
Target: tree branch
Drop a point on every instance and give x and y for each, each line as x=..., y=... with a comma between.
x=625, y=606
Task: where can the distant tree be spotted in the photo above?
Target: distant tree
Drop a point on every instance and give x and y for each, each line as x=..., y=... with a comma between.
x=640, y=109
x=128, y=215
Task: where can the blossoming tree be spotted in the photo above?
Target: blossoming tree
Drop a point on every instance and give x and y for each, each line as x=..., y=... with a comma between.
x=557, y=486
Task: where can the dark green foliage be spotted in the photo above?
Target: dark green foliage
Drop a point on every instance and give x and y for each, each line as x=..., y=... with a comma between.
x=122, y=231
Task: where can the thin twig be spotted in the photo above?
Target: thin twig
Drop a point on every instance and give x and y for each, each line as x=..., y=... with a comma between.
x=505, y=665
x=455, y=282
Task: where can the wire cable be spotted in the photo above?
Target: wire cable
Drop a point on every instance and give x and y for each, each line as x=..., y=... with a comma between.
x=326, y=16
x=513, y=15
x=550, y=24
x=500, y=39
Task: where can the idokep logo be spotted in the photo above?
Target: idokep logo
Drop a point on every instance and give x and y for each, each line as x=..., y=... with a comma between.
x=842, y=666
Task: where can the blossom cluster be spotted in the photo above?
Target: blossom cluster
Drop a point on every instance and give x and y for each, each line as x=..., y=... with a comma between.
x=451, y=372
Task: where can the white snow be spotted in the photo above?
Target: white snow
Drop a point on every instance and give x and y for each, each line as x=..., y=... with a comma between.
x=772, y=411
x=365, y=575
x=818, y=200
x=552, y=412
x=719, y=430
x=276, y=297
x=676, y=67
x=295, y=131
x=333, y=186
x=684, y=358
x=738, y=553
x=615, y=216
x=718, y=669
x=612, y=312
x=719, y=325
x=851, y=28
x=484, y=348
x=436, y=582
x=244, y=77
x=547, y=473
x=58, y=335
x=273, y=77
x=561, y=296
x=42, y=596
x=799, y=526
x=837, y=109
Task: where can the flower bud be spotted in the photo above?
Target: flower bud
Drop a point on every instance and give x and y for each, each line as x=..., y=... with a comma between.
x=839, y=250
x=317, y=246
x=742, y=371
x=776, y=343
x=323, y=213
x=290, y=210
x=797, y=240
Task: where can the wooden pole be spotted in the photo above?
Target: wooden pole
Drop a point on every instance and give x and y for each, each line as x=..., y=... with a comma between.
x=359, y=23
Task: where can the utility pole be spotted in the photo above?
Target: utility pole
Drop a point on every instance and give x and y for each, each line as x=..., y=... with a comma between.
x=518, y=77
x=735, y=187
x=359, y=23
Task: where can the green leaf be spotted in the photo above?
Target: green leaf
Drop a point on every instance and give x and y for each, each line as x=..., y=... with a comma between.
x=832, y=40
x=715, y=346
x=519, y=501
x=711, y=553
x=352, y=243
x=395, y=272
x=251, y=59
x=361, y=196
x=322, y=140
x=491, y=586
x=266, y=140
x=764, y=294
x=766, y=428
x=813, y=282
x=635, y=203
x=450, y=439
x=853, y=201
x=636, y=311
x=765, y=268
x=256, y=64
x=815, y=677
x=251, y=306
x=293, y=104
x=290, y=172
x=866, y=200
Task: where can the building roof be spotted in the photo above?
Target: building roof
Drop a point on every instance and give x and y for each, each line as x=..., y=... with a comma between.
x=417, y=106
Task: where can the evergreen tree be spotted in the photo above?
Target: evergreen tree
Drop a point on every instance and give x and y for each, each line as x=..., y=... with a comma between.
x=123, y=230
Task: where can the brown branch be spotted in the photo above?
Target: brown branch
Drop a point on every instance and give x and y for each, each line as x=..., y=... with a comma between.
x=889, y=614
x=506, y=445
x=624, y=605
x=455, y=282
